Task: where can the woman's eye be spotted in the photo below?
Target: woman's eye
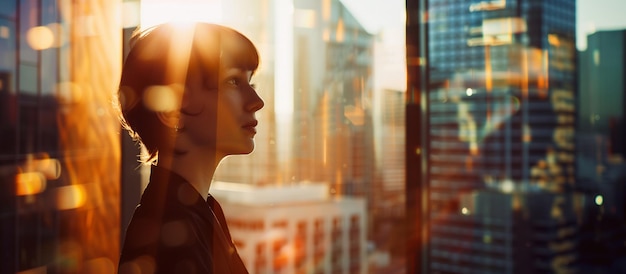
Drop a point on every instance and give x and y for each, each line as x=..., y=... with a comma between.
x=233, y=82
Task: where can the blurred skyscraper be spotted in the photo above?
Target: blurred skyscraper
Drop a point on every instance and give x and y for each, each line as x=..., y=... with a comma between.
x=601, y=116
x=319, y=128
x=601, y=149
x=500, y=79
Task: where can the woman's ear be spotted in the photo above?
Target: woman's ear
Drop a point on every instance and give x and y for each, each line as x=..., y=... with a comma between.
x=170, y=119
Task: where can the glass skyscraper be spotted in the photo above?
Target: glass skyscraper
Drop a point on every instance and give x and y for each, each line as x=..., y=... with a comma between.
x=600, y=147
x=499, y=82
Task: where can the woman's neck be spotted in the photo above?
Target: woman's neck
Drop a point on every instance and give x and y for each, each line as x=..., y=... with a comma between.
x=195, y=167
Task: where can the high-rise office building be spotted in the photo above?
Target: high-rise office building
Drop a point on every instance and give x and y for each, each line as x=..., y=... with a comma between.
x=600, y=146
x=601, y=115
x=501, y=85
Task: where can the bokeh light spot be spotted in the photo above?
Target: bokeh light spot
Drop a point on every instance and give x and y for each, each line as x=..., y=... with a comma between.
x=40, y=38
x=29, y=183
x=599, y=200
x=161, y=98
x=70, y=197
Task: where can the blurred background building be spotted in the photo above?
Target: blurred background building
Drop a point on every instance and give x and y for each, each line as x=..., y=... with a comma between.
x=600, y=146
x=274, y=236
x=501, y=85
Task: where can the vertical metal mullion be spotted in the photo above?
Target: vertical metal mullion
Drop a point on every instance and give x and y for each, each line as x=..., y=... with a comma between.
x=417, y=136
x=39, y=100
x=15, y=219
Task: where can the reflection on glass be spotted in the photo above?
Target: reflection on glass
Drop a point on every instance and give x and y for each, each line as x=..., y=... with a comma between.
x=59, y=149
x=505, y=194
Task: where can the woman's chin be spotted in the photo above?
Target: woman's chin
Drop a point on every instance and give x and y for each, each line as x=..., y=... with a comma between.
x=242, y=150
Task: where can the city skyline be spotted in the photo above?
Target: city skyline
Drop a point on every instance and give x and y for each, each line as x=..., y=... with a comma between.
x=591, y=15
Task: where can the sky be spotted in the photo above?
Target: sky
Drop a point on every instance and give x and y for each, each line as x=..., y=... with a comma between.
x=591, y=15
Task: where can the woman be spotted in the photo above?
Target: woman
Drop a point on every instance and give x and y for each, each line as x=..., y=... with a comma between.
x=186, y=96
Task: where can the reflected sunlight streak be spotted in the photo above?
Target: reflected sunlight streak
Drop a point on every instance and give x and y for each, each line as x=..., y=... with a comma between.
x=89, y=136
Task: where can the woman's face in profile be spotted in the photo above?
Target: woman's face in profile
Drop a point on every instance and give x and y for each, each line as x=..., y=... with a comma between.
x=233, y=128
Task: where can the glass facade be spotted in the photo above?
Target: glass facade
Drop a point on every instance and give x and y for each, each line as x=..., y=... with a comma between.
x=501, y=136
x=59, y=150
x=496, y=88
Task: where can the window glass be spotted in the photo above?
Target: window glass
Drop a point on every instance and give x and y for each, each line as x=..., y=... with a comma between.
x=513, y=159
x=8, y=8
x=524, y=148
x=30, y=37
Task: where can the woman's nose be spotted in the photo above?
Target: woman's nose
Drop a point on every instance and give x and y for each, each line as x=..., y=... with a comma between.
x=255, y=102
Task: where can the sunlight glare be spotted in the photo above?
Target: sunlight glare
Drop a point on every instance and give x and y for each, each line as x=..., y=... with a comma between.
x=29, y=183
x=71, y=196
x=154, y=12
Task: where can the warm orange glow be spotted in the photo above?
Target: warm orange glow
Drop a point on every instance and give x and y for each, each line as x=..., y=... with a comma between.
x=29, y=183
x=525, y=72
x=163, y=98
x=503, y=26
x=488, y=5
x=545, y=80
x=40, y=38
x=554, y=40
x=355, y=114
x=326, y=5
x=89, y=136
x=469, y=163
x=338, y=182
x=488, y=81
x=71, y=197
x=473, y=148
x=325, y=128
x=488, y=76
x=49, y=168
x=68, y=92
x=340, y=31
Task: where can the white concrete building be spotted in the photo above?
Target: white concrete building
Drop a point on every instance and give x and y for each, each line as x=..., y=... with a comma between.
x=295, y=228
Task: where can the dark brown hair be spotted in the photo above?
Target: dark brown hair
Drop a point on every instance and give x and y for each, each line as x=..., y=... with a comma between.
x=170, y=54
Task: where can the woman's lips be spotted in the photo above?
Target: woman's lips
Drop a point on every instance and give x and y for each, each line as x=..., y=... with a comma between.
x=251, y=126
